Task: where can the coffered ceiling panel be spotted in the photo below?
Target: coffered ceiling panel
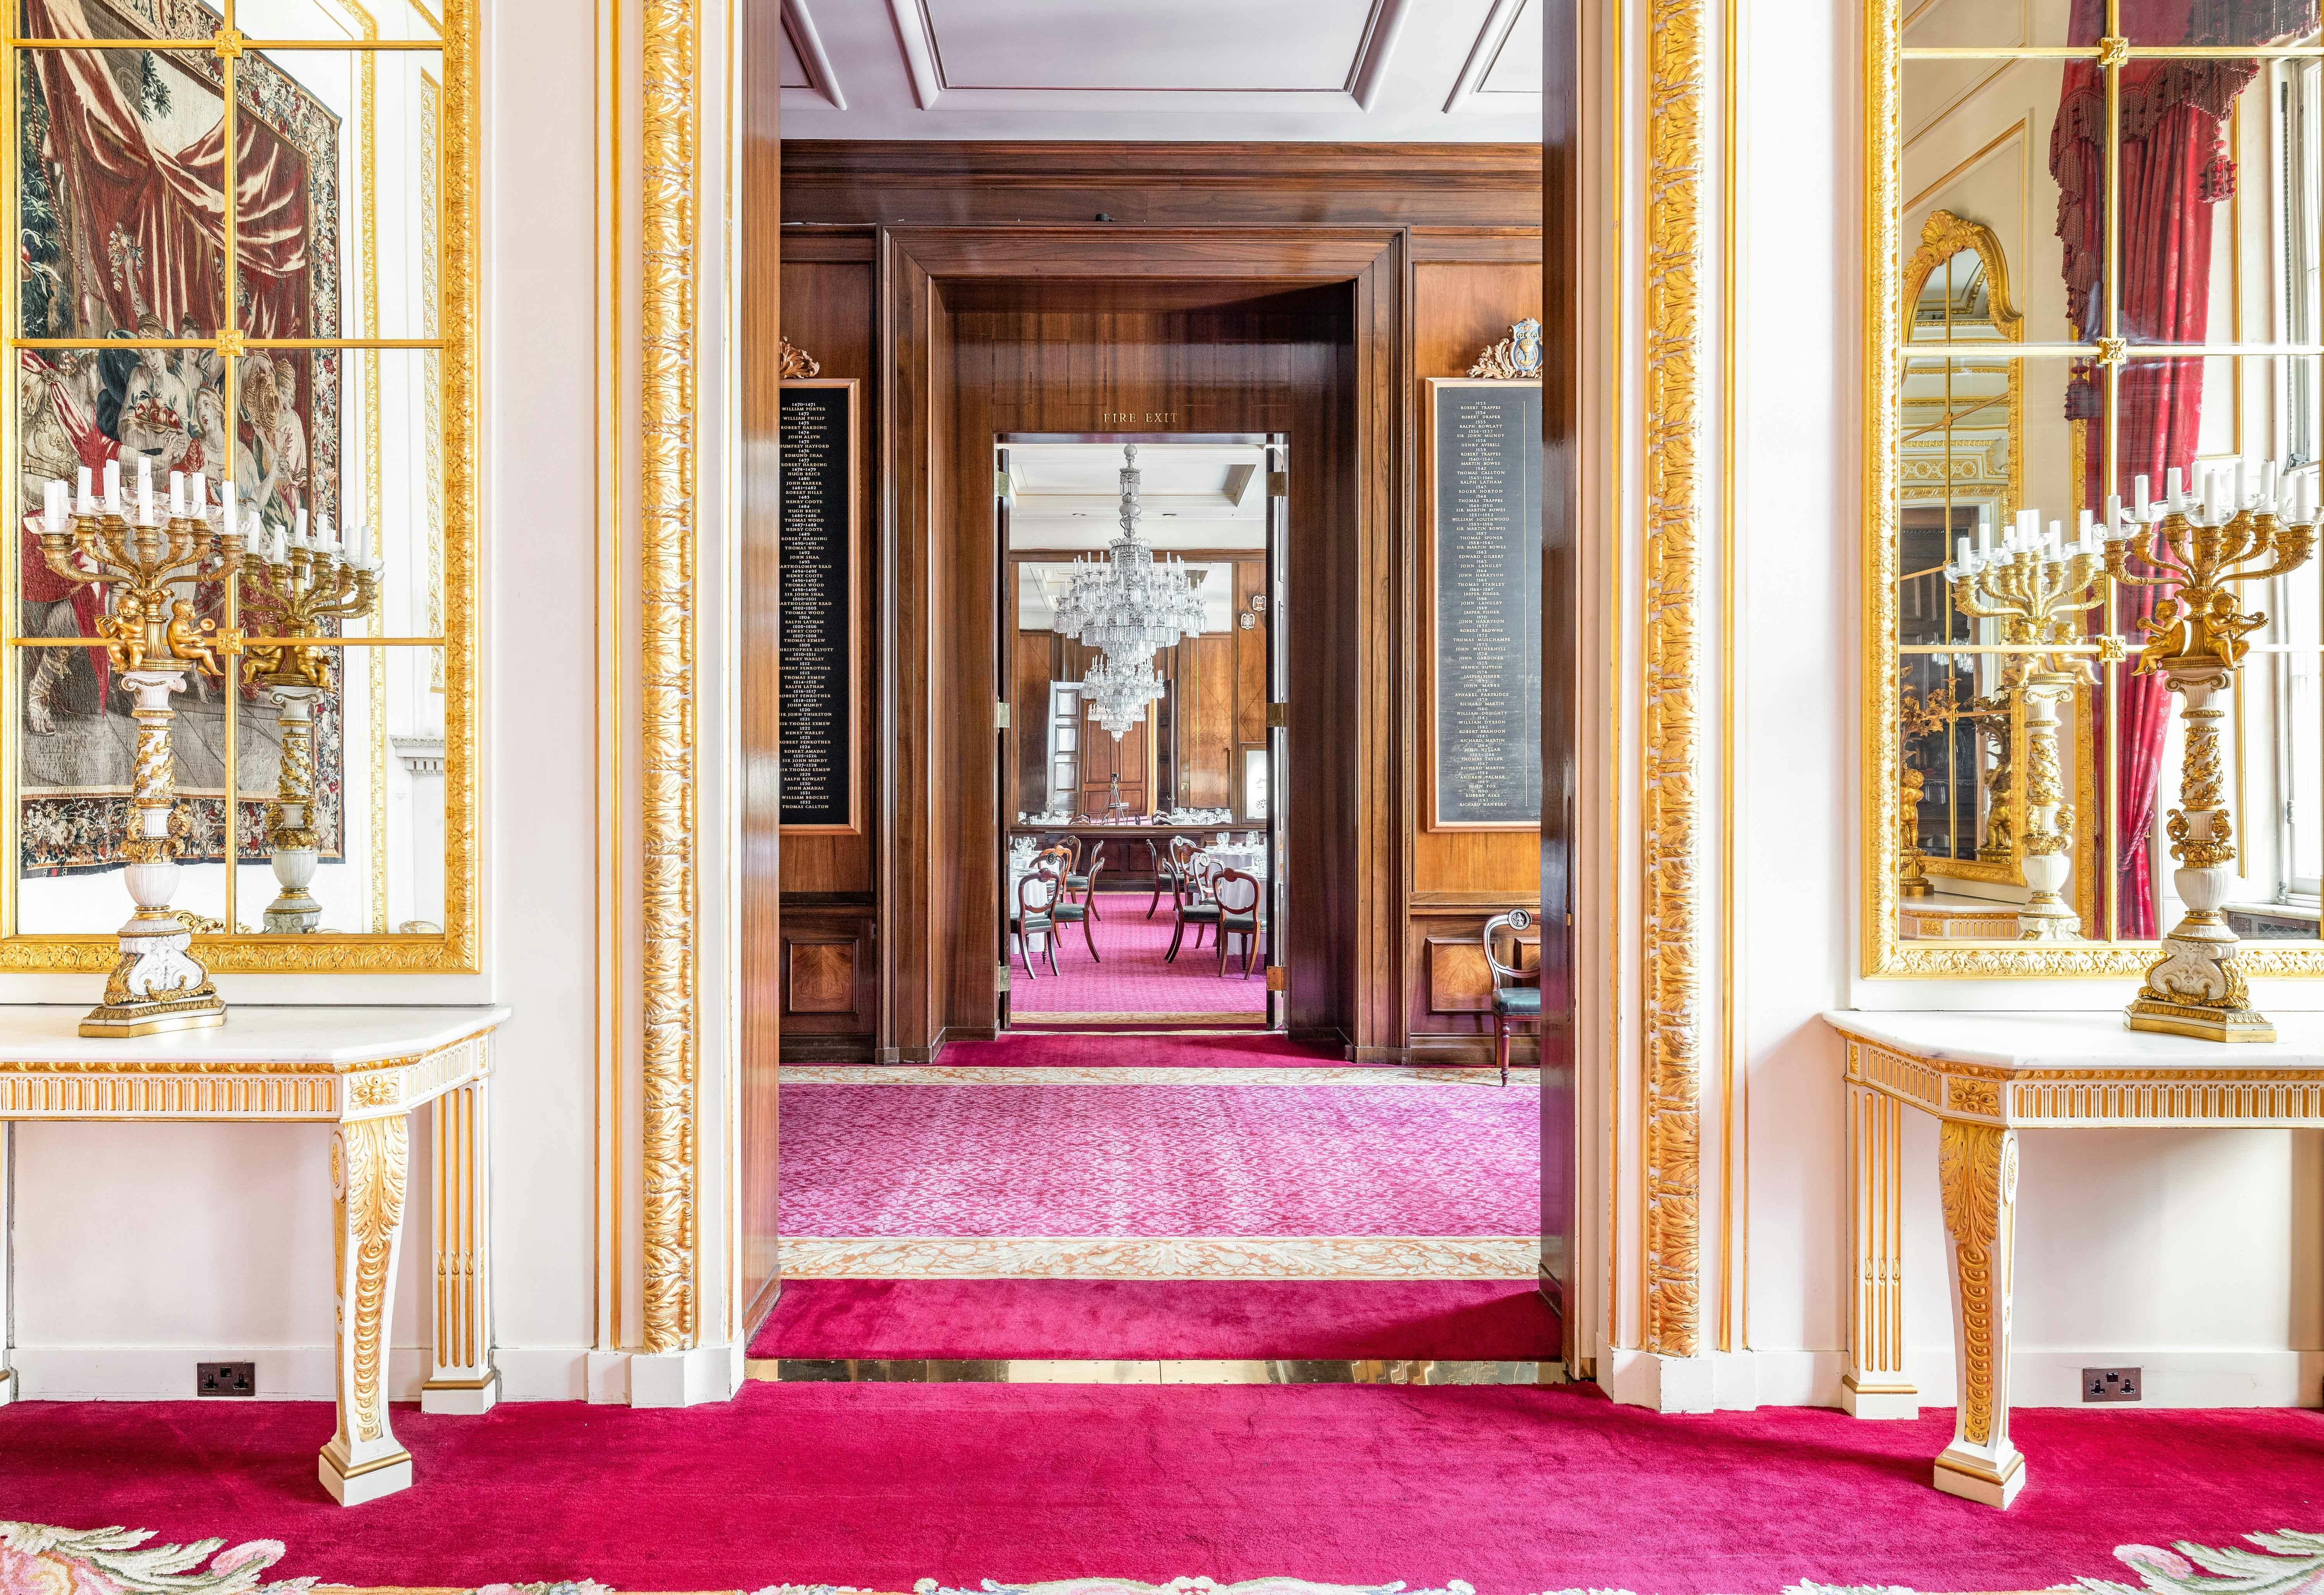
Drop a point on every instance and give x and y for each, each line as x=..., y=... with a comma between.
x=1355, y=70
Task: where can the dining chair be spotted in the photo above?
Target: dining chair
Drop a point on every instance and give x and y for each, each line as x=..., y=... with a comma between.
x=1235, y=894
x=1188, y=905
x=1515, y=1002
x=1167, y=867
x=1082, y=912
x=1077, y=879
x=1037, y=895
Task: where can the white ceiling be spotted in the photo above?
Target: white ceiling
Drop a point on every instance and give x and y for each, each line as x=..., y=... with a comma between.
x=1356, y=71
x=1067, y=496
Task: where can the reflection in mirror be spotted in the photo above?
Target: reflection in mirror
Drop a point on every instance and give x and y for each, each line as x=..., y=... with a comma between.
x=1190, y=753
x=320, y=770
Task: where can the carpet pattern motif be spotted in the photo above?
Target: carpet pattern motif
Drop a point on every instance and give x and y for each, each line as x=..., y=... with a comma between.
x=1133, y=978
x=992, y=1160
x=1359, y=1074
x=1207, y=1257
x=39, y=1559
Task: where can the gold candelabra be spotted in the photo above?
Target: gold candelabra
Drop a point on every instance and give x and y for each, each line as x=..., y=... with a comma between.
x=2037, y=588
x=2202, y=549
x=137, y=558
x=298, y=585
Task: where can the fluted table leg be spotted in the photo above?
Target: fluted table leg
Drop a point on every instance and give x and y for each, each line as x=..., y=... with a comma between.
x=464, y=1378
x=1875, y=1386
x=364, y=1459
x=1977, y=1165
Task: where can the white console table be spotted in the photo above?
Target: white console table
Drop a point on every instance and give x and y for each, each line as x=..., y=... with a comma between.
x=363, y=1070
x=1986, y=1076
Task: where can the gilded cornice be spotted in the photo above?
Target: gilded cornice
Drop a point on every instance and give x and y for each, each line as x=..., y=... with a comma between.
x=1675, y=840
x=669, y=218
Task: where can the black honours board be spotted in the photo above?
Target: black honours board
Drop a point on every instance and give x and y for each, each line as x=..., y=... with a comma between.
x=818, y=534
x=1486, y=454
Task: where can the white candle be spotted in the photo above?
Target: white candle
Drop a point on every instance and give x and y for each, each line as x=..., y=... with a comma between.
x=113, y=485
x=2086, y=524
x=201, y=493
x=2139, y=485
x=177, y=496
x=87, y=499
x=298, y=531
x=362, y=545
x=324, y=538
x=2171, y=480
x=52, y=508
x=1961, y=552
x=1984, y=528
x=2114, y=526
x=2057, y=540
x=2267, y=486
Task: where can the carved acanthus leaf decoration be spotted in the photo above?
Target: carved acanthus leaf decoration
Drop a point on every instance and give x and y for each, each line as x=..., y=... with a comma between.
x=797, y=364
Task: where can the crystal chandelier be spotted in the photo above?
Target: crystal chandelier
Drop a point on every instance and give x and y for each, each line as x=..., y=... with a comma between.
x=1128, y=605
x=1118, y=694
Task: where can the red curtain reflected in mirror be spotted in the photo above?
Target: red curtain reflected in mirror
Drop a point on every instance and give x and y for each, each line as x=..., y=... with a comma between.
x=2174, y=168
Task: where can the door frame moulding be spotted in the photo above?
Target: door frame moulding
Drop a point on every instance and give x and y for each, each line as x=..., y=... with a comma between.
x=914, y=264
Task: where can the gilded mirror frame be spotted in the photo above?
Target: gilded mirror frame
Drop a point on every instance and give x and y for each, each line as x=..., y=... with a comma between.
x=1886, y=953
x=455, y=949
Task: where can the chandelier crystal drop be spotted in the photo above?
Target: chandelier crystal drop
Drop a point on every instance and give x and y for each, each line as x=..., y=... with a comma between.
x=1118, y=694
x=1130, y=605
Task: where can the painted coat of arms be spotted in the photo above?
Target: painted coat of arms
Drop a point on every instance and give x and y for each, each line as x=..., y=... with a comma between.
x=122, y=165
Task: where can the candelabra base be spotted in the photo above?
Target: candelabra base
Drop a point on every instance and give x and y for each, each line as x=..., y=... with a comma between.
x=2033, y=926
x=156, y=985
x=2195, y=989
x=294, y=913
x=1915, y=888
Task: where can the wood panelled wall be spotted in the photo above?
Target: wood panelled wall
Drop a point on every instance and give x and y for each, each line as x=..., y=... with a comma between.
x=829, y=968
x=1303, y=289
x=1460, y=879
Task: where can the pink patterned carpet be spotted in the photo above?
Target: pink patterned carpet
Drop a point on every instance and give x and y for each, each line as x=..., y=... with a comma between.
x=1133, y=979
x=1159, y=1160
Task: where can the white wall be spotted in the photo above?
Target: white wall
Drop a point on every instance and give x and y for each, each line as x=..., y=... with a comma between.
x=141, y=1248
x=2193, y=1253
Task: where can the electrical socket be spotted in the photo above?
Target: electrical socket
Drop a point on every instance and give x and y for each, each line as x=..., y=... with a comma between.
x=2112, y=1384
x=226, y=1379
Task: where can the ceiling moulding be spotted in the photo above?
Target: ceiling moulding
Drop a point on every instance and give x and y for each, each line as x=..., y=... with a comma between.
x=1470, y=93
x=915, y=37
x=822, y=84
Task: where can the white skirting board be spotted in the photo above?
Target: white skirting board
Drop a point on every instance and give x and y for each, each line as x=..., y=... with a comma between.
x=285, y=1373
x=2174, y=1378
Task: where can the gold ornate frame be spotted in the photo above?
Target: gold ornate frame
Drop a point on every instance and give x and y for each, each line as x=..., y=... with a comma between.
x=1885, y=954
x=450, y=348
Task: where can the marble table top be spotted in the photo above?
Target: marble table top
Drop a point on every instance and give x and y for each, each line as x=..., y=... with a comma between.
x=48, y=1033
x=2068, y=1040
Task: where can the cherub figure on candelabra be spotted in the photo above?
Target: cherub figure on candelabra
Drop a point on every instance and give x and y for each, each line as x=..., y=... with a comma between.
x=2038, y=589
x=301, y=585
x=135, y=558
x=1919, y=716
x=2201, y=548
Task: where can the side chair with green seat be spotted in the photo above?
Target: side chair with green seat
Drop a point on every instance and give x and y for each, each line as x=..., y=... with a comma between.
x=1189, y=906
x=1066, y=912
x=1517, y=992
x=1037, y=898
x=1236, y=896
x=1078, y=881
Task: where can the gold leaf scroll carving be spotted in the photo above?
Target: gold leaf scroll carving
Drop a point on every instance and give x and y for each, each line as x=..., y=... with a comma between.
x=1672, y=723
x=368, y=1160
x=1976, y=1171
x=666, y=647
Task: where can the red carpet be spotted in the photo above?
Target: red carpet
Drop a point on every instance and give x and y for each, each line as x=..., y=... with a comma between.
x=1468, y=1320
x=1129, y=975
x=987, y=1159
x=1513, y=1490
x=1028, y=1050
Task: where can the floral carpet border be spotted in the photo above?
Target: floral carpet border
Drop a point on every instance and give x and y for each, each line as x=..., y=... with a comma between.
x=39, y=1559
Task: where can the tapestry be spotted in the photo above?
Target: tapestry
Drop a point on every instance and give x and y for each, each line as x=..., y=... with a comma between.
x=121, y=165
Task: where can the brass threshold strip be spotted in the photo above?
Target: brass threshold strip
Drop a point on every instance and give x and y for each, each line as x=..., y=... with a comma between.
x=933, y=1371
